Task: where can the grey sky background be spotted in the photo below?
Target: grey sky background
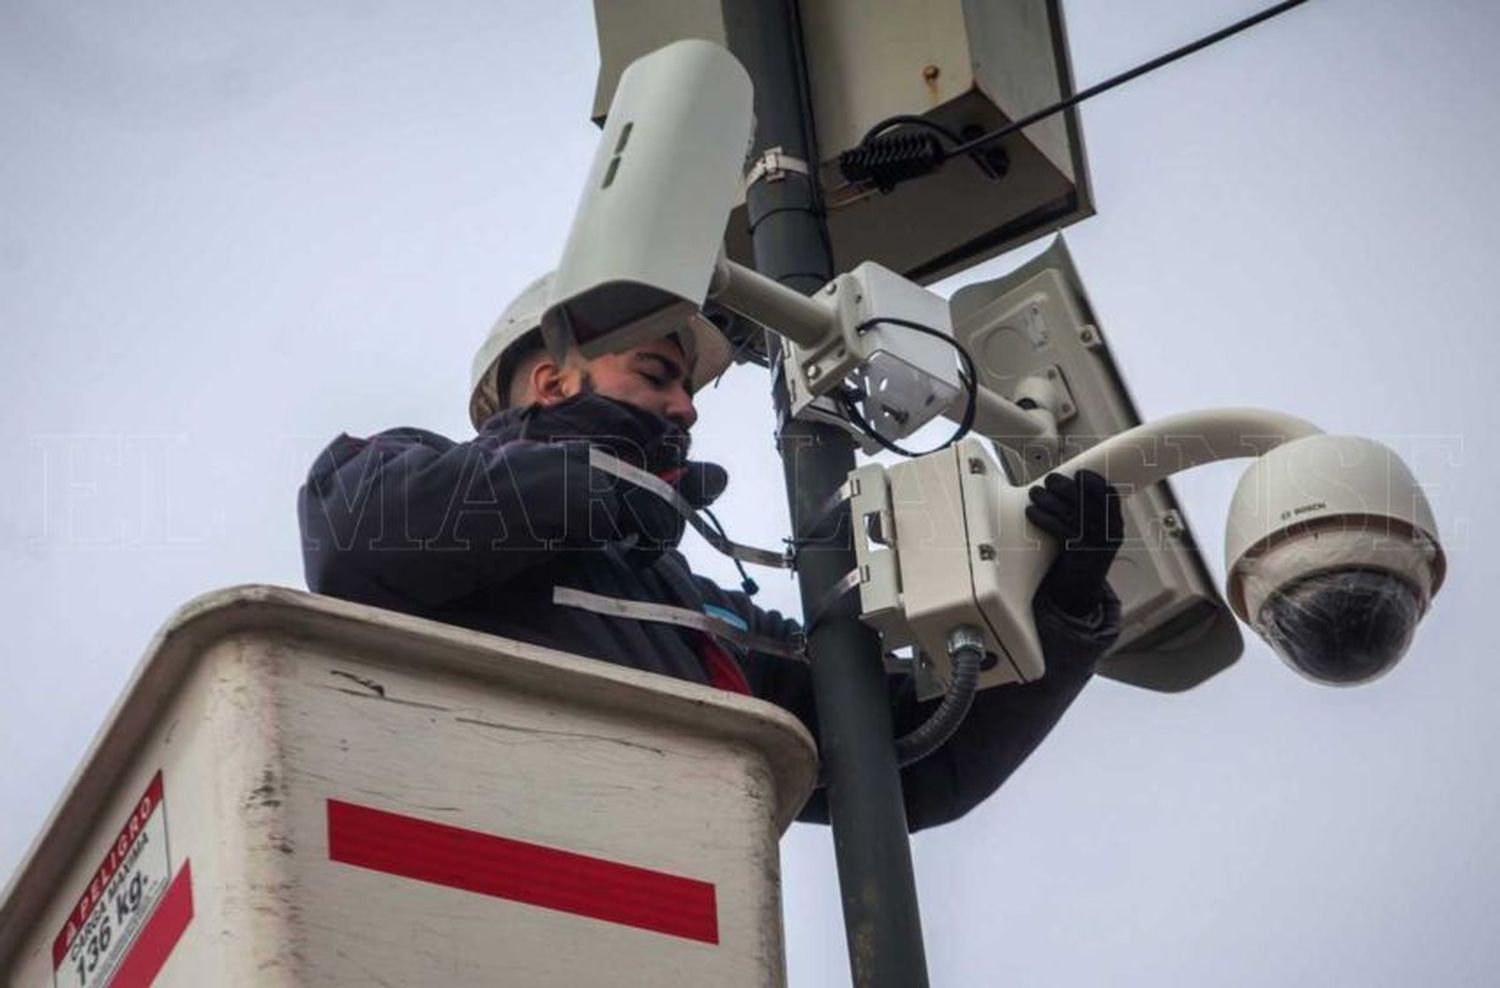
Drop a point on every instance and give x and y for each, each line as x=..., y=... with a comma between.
x=228, y=234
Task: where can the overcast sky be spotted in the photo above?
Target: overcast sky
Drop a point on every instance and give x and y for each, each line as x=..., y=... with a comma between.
x=229, y=233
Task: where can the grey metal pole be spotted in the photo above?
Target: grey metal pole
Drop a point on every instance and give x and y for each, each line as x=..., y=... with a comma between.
x=873, y=852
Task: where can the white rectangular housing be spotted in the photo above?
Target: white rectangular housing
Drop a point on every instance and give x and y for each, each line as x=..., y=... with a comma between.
x=908, y=377
x=296, y=790
x=942, y=542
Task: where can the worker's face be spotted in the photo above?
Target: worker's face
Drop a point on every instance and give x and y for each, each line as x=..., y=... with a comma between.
x=652, y=376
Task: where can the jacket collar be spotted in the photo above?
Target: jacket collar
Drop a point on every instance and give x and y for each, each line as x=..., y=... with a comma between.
x=604, y=422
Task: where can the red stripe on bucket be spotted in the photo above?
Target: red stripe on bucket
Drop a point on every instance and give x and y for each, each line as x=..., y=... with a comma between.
x=522, y=872
x=152, y=948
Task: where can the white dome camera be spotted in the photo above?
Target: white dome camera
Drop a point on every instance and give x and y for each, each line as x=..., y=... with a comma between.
x=1332, y=556
x=1331, y=548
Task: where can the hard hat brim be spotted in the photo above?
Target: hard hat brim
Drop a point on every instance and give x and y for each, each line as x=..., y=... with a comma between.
x=708, y=351
x=712, y=353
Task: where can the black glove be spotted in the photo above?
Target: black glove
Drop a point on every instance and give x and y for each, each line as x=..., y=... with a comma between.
x=1083, y=514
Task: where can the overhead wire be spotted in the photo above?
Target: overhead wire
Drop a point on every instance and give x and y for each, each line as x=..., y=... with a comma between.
x=1124, y=77
x=858, y=156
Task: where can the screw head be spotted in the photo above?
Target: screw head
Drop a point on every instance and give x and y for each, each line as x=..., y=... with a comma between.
x=931, y=72
x=986, y=551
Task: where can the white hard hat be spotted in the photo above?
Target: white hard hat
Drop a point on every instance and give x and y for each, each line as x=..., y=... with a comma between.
x=708, y=352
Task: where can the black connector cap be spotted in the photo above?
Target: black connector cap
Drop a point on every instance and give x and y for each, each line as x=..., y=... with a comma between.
x=887, y=161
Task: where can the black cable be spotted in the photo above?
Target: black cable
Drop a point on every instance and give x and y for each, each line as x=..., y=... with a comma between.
x=967, y=660
x=734, y=329
x=968, y=375
x=745, y=352
x=913, y=120
x=813, y=207
x=810, y=137
x=967, y=147
x=746, y=583
x=1134, y=73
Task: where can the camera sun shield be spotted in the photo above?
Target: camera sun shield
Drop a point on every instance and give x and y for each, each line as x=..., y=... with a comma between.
x=645, y=237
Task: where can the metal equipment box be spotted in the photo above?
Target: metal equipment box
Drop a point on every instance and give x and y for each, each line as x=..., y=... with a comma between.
x=969, y=65
x=296, y=790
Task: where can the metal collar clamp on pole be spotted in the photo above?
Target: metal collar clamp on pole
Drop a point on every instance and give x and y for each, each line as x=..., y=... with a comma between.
x=773, y=166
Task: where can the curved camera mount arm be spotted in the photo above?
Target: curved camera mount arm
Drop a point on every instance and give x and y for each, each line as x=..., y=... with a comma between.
x=943, y=540
x=1155, y=450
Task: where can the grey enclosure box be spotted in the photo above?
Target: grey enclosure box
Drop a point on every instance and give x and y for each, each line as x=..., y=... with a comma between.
x=1177, y=630
x=971, y=65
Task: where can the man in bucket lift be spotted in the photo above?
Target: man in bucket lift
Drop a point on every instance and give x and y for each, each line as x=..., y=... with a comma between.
x=516, y=534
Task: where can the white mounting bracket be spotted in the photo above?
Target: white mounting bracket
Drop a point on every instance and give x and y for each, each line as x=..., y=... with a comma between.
x=907, y=377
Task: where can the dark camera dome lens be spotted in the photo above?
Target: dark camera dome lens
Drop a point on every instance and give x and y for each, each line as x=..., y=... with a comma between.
x=1342, y=626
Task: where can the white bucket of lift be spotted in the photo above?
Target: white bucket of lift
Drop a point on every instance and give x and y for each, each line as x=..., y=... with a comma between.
x=296, y=790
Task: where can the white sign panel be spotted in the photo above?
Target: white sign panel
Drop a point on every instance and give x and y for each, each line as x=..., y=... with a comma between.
x=125, y=888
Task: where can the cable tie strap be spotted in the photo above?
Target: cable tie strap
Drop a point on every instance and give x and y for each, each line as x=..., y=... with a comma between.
x=832, y=596
x=828, y=510
x=773, y=166
x=631, y=474
x=682, y=617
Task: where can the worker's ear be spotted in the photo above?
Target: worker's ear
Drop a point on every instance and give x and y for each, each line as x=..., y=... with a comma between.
x=551, y=382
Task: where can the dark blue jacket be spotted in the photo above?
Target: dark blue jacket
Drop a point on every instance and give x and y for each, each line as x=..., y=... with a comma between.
x=479, y=533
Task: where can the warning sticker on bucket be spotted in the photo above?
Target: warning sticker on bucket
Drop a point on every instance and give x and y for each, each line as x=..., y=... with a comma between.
x=121, y=895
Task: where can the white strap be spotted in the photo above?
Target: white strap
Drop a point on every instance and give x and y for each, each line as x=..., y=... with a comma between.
x=602, y=461
x=641, y=610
